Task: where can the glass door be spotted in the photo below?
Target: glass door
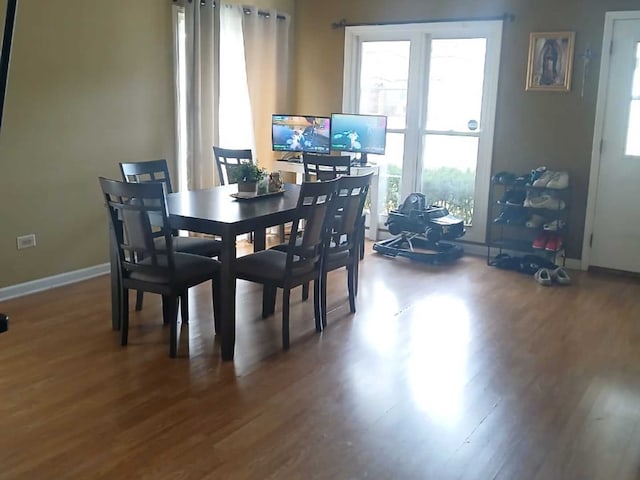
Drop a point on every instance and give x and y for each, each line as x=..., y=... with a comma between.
x=437, y=84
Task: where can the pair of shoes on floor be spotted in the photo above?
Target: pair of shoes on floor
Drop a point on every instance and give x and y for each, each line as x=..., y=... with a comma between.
x=548, y=277
x=551, y=242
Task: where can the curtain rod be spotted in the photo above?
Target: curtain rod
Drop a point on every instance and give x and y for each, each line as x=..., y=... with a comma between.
x=510, y=17
x=246, y=10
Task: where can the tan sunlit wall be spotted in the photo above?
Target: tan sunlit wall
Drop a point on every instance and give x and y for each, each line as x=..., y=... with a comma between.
x=532, y=128
x=90, y=84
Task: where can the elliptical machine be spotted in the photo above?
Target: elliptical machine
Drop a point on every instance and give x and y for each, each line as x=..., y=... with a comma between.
x=418, y=232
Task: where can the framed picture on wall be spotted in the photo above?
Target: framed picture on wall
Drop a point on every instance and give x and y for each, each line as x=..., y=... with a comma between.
x=550, y=61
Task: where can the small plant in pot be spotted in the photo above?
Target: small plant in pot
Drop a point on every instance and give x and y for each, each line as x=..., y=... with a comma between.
x=248, y=176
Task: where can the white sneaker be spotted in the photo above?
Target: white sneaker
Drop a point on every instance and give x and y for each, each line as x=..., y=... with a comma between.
x=535, y=221
x=544, y=179
x=554, y=226
x=561, y=276
x=550, y=202
x=559, y=180
x=543, y=277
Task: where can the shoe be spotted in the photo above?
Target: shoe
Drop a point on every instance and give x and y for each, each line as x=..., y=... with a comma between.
x=535, y=221
x=540, y=241
x=561, y=276
x=544, y=179
x=503, y=178
x=503, y=216
x=550, y=202
x=513, y=197
x=554, y=243
x=518, y=217
x=536, y=174
x=554, y=226
x=559, y=180
x=543, y=277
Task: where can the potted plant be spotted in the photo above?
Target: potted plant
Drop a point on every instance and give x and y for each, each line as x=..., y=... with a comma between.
x=248, y=176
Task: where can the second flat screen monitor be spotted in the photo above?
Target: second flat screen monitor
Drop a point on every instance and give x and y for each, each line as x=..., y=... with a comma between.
x=358, y=133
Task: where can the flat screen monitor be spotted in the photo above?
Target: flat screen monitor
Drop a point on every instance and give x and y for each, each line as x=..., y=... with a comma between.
x=358, y=133
x=300, y=133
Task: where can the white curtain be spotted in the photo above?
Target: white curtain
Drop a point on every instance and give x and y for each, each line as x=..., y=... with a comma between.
x=199, y=94
x=236, y=122
x=266, y=43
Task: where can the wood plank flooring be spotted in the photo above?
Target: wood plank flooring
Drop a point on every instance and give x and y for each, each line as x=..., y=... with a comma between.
x=453, y=372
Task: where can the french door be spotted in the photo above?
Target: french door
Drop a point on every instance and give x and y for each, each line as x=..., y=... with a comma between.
x=437, y=84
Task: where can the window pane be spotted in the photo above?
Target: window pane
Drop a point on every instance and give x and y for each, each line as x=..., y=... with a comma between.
x=384, y=78
x=633, y=133
x=449, y=173
x=456, y=82
x=636, y=75
x=390, y=172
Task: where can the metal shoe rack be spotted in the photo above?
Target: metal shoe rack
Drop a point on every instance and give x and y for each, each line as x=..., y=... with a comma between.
x=504, y=236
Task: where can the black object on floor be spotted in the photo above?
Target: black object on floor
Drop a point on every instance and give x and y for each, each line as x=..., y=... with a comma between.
x=4, y=323
x=527, y=264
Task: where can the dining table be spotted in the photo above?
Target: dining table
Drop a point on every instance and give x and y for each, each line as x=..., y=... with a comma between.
x=217, y=211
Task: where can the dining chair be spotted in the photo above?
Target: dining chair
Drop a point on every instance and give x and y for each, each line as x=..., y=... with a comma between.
x=327, y=167
x=158, y=171
x=299, y=263
x=342, y=241
x=227, y=160
x=137, y=212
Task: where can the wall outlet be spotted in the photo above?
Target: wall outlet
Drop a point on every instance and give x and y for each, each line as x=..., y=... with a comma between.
x=26, y=241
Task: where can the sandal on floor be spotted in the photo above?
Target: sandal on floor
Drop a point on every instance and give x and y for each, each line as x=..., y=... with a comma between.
x=543, y=277
x=561, y=276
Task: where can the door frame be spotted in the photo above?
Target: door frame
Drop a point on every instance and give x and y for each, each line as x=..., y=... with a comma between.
x=601, y=106
x=492, y=31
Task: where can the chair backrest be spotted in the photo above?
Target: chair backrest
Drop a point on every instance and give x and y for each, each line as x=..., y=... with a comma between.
x=227, y=161
x=315, y=210
x=349, y=201
x=325, y=167
x=149, y=171
x=138, y=215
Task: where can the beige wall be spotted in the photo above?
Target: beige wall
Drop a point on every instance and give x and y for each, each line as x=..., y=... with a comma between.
x=532, y=128
x=90, y=85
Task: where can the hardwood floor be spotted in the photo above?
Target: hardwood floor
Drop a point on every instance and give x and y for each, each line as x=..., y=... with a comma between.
x=456, y=372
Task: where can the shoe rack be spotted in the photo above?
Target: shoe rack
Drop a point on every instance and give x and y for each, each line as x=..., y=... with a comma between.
x=527, y=219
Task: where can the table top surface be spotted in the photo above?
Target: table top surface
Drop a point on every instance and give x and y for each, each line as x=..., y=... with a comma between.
x=218, y=206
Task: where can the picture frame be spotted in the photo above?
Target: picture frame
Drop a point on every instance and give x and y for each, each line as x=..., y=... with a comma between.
x=550, y=63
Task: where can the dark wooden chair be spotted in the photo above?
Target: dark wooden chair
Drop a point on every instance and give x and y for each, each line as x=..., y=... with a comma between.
x=325, y=167
x=328, y=167
x=299, y=263
x=342, y=247
x=158, y=171
x=137, y=212
x=227, y=160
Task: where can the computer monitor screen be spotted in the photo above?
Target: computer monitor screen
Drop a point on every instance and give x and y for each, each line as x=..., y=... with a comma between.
x=358, y=133
x=298, y=133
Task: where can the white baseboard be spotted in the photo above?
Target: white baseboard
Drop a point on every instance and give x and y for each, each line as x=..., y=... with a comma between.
x=54, y=281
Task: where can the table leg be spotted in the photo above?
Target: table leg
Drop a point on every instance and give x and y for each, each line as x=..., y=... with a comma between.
x=372, y=234
x=228, y=295
x=259, y=239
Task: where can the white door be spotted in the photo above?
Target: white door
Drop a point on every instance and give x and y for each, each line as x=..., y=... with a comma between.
x=615, y=242
x=437, y=85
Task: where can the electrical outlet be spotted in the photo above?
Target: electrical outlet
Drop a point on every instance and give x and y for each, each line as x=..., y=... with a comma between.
x=26, y=241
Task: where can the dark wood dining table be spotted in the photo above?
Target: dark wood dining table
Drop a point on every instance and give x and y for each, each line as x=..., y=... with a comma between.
x=214, y=211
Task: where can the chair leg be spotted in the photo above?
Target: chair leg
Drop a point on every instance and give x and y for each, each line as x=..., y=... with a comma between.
x=139, y=299
x=166, y=313
x=323, y=299
x=281, y=232
x=351, y=287
x=317, y=313
x=268, y=300
x=124, y=315
x=357, y=270
x=184, y=307
x=215, y=295
x=172, y=309
x=286, y=294
x=305, y=291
